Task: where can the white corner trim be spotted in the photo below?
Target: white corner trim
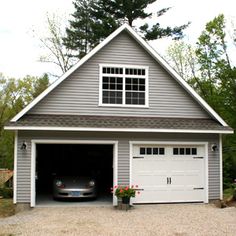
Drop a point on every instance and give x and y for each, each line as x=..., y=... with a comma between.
x=45, y=128
x=206, y=174
x=149, y=49
x=221, y=166
x=33, y=174
x=15, y=168
x=73, y=141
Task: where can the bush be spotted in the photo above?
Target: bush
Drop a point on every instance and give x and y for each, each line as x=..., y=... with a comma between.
x=6, y=192
x=234, y=194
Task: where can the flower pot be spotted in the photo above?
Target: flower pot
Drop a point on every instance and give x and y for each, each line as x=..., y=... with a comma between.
x=126, y=200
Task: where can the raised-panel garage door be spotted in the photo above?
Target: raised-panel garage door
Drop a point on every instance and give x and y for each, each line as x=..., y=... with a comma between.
x=169, y=173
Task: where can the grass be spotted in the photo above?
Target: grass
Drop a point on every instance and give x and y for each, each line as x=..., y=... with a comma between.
x=228, y=193
x=7, y=208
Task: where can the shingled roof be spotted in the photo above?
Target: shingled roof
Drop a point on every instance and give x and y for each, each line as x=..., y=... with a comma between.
x=117, y=122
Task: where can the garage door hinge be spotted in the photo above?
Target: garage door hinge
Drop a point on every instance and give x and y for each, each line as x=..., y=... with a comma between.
x=138, y=157
x=198, y=188
x=198, y=157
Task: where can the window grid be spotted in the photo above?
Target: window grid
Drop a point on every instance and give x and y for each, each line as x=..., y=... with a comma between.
x=124, y=85
x=185, y=151
x=152, y=151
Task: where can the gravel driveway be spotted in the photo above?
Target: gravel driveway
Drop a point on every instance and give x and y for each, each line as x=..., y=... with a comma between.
x=176, y=219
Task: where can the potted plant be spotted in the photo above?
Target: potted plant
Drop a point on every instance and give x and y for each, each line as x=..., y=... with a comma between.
x=125, y=193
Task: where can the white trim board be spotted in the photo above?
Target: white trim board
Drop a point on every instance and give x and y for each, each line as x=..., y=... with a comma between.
x=34, y=142
x=205, y=144
x=118, y=129
x=149, y=49
x=15, y=168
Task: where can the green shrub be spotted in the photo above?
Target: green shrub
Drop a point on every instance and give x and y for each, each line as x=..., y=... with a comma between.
x=6, y=192
x=234, y=194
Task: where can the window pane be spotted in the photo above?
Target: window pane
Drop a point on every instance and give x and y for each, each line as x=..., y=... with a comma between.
x=105, y=86
x=141, y=88
x=181, y=151
x=128, y=80
x=175, y=151
x=149, y=151
x=112, y=86
x=162, y=151
x=119, y=101
x=143, y=72
x=135, y=87
x=128, y=87
x=128, y=101
x=194, y=151
x=187, y=151
x=105, y=79
x=141, y=102
x=119, y=80
x=155, y=151
x=105, y=100
x=142, y=151
x=119, y=86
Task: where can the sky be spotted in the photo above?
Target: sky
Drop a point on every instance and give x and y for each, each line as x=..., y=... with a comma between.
x=21, y=22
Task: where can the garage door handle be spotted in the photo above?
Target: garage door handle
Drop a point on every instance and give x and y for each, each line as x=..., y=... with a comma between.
x=139, y=189
x=198, y=157
x=198, y=188
x=138, y=157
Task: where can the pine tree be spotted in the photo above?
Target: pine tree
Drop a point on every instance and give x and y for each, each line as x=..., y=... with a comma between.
x=80, y=36
x=96, y=19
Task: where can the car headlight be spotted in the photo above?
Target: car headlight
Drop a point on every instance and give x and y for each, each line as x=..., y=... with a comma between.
x=91, y=183
x=59, y=183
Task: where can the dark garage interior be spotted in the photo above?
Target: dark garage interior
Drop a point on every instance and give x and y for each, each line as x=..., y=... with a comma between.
x=93, y=160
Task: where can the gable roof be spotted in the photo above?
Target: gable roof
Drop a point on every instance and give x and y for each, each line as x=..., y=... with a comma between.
x=149, y=49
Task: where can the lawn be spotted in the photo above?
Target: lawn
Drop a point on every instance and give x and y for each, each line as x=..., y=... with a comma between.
x=7, y=208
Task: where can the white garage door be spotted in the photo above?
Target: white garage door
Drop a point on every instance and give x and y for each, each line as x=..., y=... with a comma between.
x=169, y=173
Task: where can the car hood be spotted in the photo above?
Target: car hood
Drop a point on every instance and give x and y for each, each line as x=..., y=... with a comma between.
x=74, y=181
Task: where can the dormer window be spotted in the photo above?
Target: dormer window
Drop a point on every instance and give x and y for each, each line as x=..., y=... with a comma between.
x=122, y=85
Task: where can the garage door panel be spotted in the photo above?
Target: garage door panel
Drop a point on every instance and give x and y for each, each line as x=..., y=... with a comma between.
x=150, y=195
x=169, y=178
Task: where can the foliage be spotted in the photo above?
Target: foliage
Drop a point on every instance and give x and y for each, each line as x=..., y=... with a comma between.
x=182, y=58
x=6, y=192
x=125, y=191
x=57, y=53
x=15, y=94
x=95, y=20
x=215, y=81
x=234, y=194
x=7, y=207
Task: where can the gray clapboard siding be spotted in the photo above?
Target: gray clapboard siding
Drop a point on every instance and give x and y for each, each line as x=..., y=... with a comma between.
x=24, y=161
x=79, y=93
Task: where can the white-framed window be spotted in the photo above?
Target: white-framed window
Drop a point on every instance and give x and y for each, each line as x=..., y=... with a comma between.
x=123, y=85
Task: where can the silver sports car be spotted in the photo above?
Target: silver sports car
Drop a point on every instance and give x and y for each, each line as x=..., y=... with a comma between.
x=74, y=187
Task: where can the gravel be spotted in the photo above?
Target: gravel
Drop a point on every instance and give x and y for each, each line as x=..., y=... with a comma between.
x=163, y=219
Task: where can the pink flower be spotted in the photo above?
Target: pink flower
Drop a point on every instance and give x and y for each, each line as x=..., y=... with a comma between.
x=136, y=186
x=132, y=186
x=126, y=188
x=121, y=190
x=115, y=186
x=138, y=192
